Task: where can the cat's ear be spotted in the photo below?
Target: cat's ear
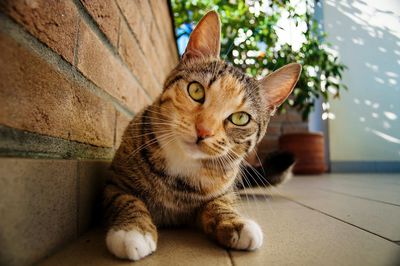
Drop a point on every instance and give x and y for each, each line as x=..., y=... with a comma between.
x=277, y=86
x=205, y=38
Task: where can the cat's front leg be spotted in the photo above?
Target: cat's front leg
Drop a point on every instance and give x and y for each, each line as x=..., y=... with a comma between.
x=132, y=233
x=220, y=220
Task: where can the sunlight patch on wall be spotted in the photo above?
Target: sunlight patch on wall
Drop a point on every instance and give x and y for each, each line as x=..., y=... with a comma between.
x=384, y=135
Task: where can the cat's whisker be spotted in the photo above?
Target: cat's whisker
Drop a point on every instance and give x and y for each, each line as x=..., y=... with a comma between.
x=228, y=161
x=245, y=179
x=241, y=180
x=255, y=180
x=144, y=146
x=265, y=196
x=150, y=142
x=265, y=183
x=161, y=108
x=158, y=116
x=149, y=133
x=259, y=161
x=152, y=123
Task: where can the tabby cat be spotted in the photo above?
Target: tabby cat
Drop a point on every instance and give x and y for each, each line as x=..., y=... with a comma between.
x=180, y=157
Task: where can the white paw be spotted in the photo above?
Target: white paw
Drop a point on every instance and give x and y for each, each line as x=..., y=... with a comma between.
x=249, y=238
x=131, y=245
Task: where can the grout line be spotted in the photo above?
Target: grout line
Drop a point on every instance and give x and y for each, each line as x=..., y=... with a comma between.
x=336, y=218
x=230, y=257
x=360, y=197
x=18, y=33
x=93, y=25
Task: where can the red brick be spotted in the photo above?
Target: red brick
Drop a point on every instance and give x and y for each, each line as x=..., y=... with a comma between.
x=274, y=129
x=122, y=123
x=106, y=15
x=267, y=145
x=135, y=21
x=293, y=116
x=130, y=52
x=278, y=117
x=54, y=22
x=295, y=128
x=98, y=64
x=37, y=98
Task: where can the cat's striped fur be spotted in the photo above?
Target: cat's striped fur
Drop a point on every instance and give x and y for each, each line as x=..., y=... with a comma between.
x=165, y=175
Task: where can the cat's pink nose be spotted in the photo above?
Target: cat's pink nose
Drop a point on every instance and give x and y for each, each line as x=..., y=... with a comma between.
x=203, y=131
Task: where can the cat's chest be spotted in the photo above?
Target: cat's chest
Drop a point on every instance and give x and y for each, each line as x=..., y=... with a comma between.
x=195, y=176
x=179, y=165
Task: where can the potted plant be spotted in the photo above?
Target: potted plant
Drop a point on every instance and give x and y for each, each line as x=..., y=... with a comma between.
x=261, y=36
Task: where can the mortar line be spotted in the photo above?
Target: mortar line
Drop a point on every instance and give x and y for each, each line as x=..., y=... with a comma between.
x=115, y=130
x=161, y=35
x=171, y=14
x=230, y=257
x=76, y=48
x=14, y=143
x=124, y=20
x=94, y=26
x=160, y=32
x=20, y=35
x=119, y=32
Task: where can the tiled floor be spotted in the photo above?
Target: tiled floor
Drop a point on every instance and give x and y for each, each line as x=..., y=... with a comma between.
x=326, y=220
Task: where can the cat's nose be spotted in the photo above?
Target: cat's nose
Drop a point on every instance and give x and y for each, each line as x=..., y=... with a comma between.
x=203, y=131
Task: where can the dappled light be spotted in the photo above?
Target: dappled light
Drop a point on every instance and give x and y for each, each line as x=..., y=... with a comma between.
x=371, y=50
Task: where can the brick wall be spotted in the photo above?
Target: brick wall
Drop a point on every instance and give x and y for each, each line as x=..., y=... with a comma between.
x=73, y=73
x=289, y=122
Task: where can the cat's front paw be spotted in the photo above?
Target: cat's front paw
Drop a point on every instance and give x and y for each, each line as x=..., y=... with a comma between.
x=250, y=237
x=243, y=235
x=132, y=244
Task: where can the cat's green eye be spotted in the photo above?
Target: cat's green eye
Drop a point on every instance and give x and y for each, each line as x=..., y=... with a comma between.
x=196, y=92
x=239, y=118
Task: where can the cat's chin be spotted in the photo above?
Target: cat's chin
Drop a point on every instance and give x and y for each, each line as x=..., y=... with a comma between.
x=192, y=150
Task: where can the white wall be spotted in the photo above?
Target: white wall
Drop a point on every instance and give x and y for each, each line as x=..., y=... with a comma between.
x=366, y=33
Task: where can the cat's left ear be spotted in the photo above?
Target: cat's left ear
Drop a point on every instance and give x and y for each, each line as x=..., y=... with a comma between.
x=277, y=86
x=205, y=38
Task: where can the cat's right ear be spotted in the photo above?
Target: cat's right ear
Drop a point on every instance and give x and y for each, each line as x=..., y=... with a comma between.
x=204, y=42
x=278, y=85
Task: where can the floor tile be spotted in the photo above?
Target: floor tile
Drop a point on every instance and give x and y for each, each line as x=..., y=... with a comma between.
x=377, y=217
x=179, y=247
x=300, y=236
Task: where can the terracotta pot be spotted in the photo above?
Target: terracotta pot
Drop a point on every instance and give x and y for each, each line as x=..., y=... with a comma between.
x=308, y=149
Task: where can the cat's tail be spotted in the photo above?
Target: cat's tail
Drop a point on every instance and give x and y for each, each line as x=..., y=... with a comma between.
x=276, y=169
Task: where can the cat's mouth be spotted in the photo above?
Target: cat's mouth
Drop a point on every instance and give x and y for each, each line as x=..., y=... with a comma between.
x=198, y=150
